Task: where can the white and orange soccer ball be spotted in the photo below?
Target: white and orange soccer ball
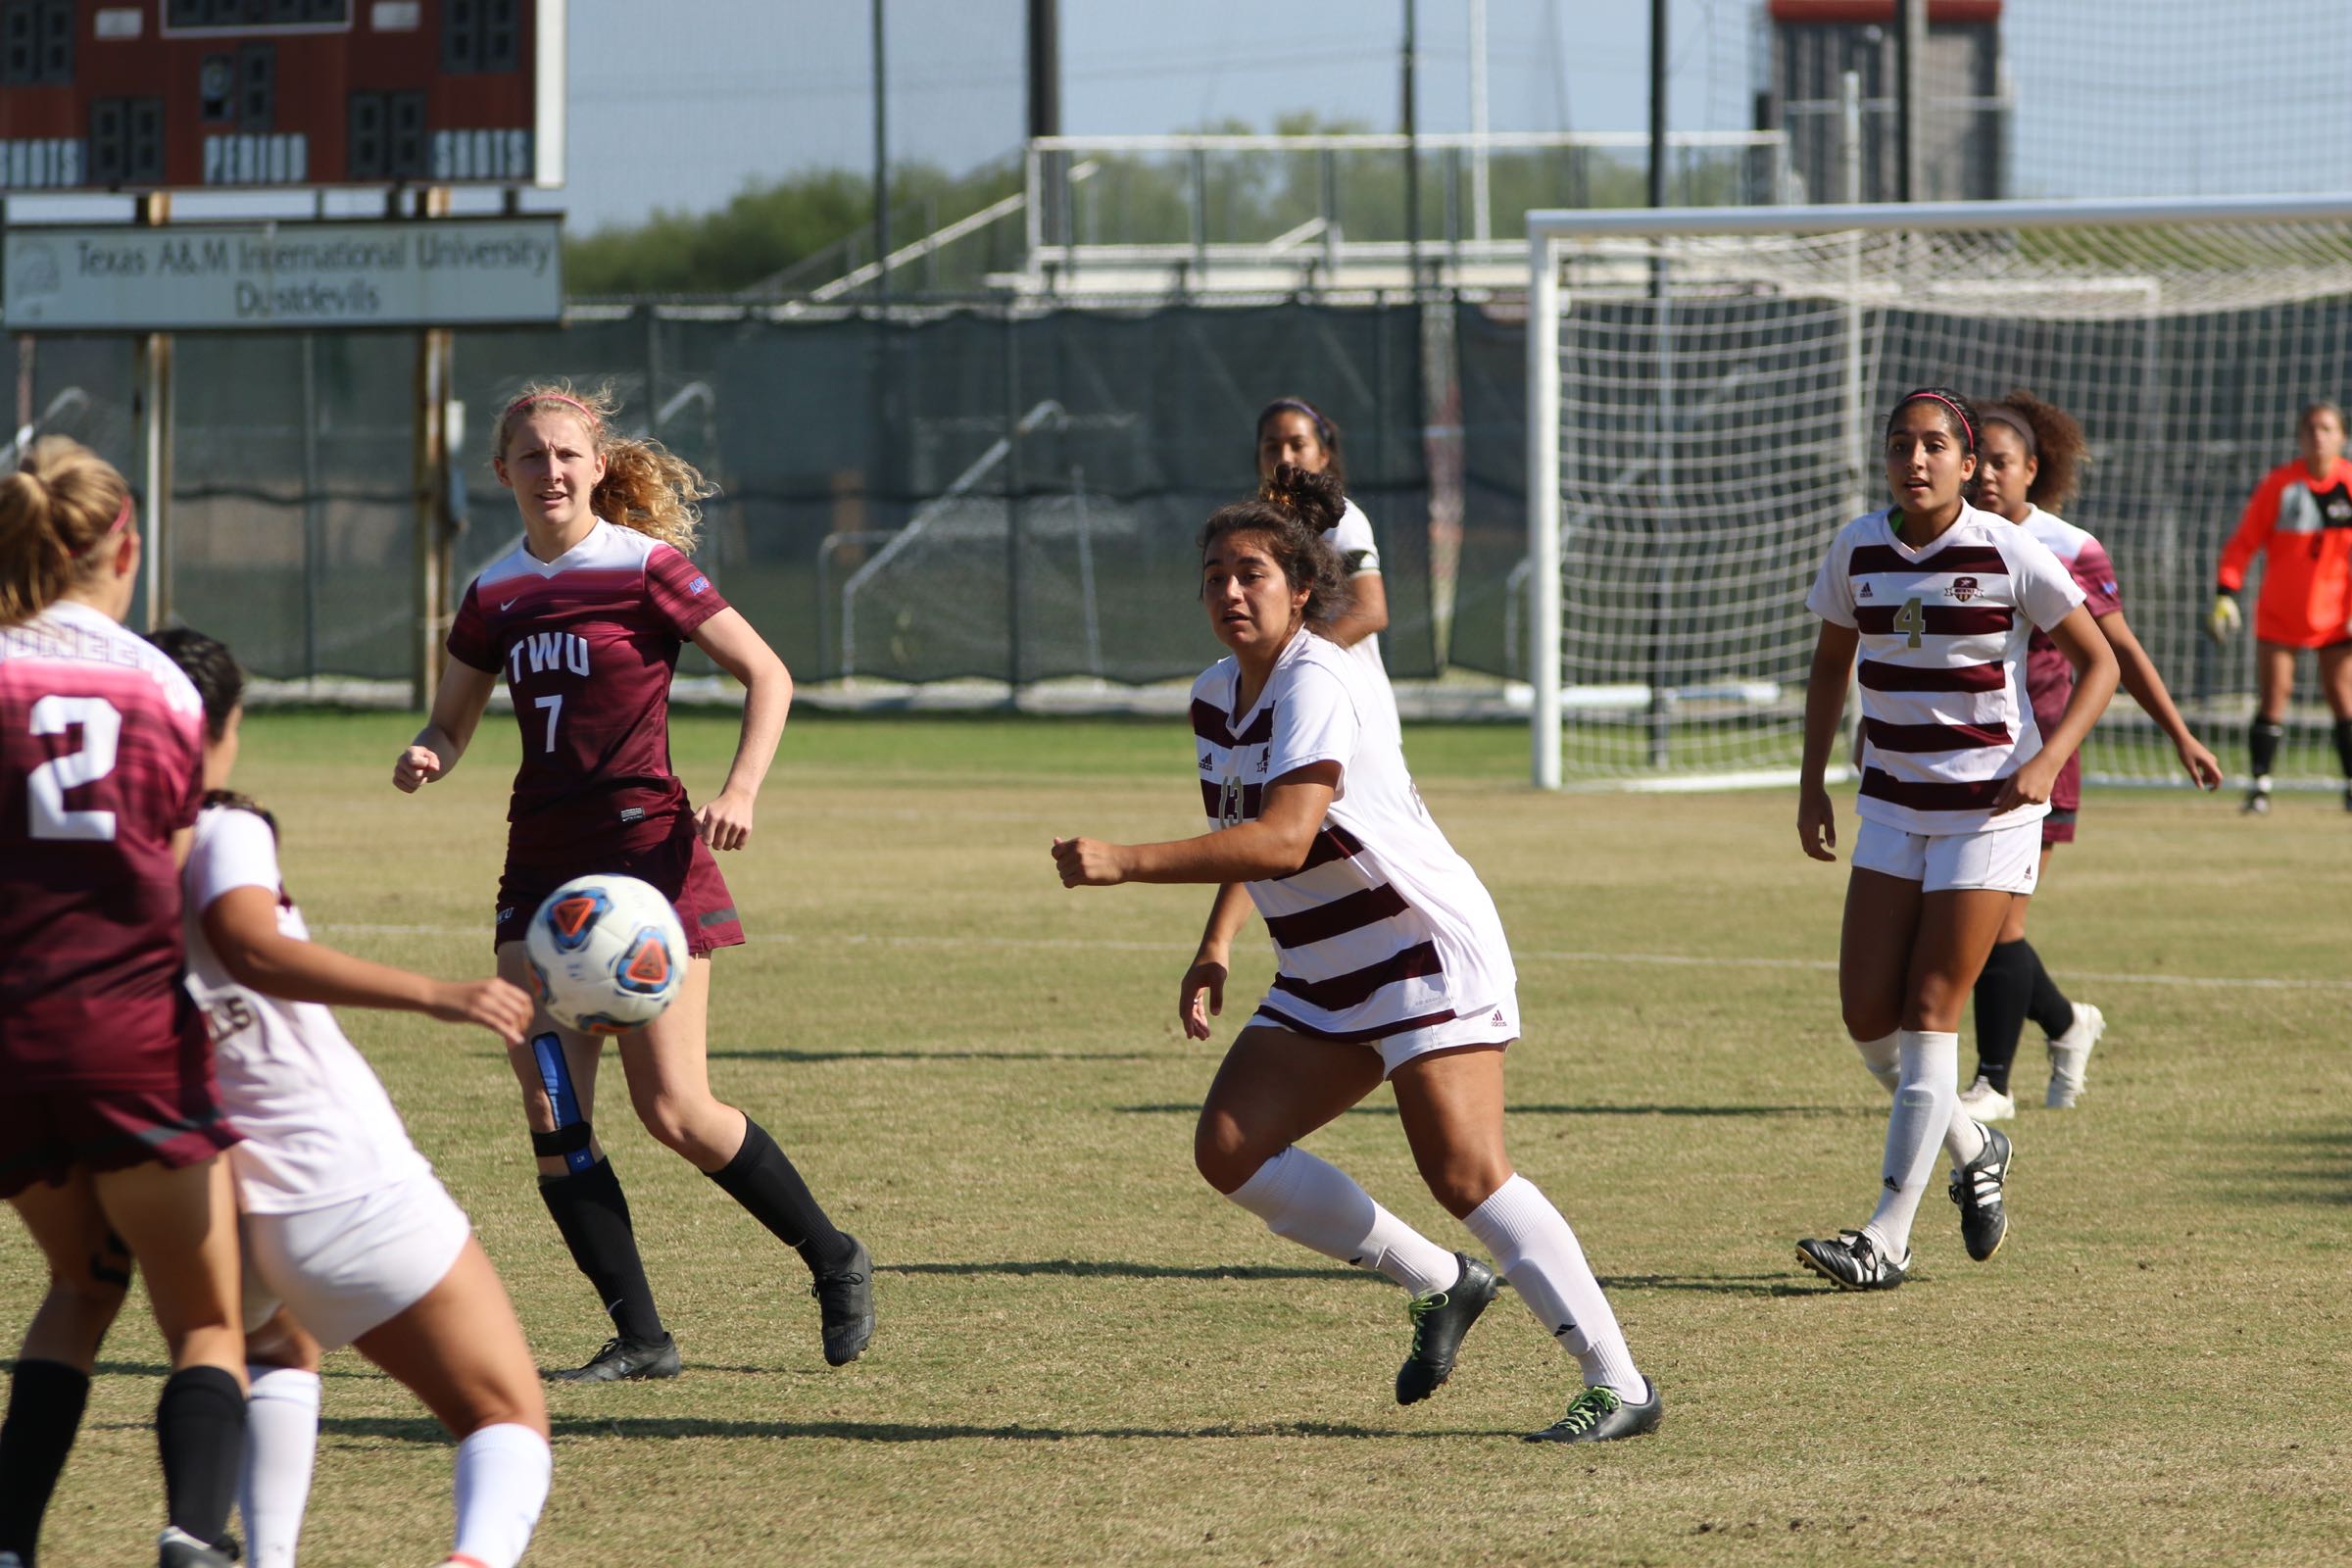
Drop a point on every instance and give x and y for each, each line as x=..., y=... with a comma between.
x=608, y=952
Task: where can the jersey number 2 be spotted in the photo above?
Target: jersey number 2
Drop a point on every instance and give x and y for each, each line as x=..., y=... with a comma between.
x=45, y=787
x=1911, y=619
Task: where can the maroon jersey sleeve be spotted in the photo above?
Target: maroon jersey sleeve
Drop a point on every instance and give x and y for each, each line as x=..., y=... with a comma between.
x=470, y=641
x=681, y=592
x=2095, y=574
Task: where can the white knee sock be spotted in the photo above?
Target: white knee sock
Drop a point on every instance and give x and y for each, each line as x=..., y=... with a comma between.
x=1315, y=1204
x=503, y=1473
x=1880, y=1057
x=1539, y=1254
x=1925, y=1102
x=281, y=1439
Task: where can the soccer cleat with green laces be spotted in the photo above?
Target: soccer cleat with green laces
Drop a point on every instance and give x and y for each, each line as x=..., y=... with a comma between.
x=1439, y=1320
x=1601, y=1415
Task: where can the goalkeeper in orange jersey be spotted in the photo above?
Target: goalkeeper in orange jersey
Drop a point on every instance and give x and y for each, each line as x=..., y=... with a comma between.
x=2301, y=518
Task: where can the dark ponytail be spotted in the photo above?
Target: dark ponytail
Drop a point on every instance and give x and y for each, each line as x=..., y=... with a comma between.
x=1292, y=513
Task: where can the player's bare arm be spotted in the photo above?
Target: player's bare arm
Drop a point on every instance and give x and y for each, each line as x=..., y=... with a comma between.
x=458, y=706
x=2137, y=672
x=1200, y=996
x=1367, y=614
x=725, y=822
x=2095, y=674
x=1276, y=844
x=242, y=926
x=1825, y=706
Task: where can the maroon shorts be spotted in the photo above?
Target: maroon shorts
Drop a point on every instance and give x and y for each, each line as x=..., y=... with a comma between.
x=680, y=865
x=47, y=1133
x=2058, y=827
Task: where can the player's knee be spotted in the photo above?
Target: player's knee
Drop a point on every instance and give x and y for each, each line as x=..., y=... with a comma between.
x=1225, y=1153
x=1462, y=1181
x=1868, y=1021
x=683, y=1124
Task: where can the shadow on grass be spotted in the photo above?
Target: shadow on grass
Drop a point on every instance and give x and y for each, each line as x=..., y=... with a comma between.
x=1821, y=1111
x=2294, y=1167
x=783, y=1054
x=1790, y=1284
x=422, y=1429
x=1113, y=1269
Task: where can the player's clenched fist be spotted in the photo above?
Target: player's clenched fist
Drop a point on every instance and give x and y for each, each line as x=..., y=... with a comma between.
x=1088, y=864
x=418, y=766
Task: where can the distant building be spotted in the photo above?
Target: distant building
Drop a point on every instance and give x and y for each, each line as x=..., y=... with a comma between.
x=1964, y=129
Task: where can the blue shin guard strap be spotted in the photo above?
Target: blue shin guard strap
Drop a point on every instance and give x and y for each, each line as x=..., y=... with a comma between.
x=556, y=1075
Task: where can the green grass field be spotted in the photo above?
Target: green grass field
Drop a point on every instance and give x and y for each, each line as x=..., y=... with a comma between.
x=1085, y=1355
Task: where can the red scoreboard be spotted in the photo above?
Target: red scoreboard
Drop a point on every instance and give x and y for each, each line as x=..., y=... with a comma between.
x=98, y=95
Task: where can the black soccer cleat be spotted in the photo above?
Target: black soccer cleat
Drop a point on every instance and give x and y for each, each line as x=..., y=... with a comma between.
x=1601, y=1415
x=1976, y=1189
x=1853, y=1262
x=1439, y=1320
x=844, y=1300
x=623, y=1361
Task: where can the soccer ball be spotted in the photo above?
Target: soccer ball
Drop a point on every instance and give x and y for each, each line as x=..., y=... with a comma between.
x=608, y=954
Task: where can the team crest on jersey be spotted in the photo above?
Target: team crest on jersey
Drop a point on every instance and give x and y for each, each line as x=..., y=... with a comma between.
x=697, y=585
x=1964, y=589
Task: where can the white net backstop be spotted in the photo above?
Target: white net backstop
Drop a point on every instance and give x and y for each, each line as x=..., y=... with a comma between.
x=1704, y=391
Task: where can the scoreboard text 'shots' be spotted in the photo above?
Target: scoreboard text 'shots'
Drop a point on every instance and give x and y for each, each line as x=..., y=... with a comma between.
x=190, y=94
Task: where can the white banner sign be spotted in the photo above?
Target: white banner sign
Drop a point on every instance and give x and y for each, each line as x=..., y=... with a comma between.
x=202, y=276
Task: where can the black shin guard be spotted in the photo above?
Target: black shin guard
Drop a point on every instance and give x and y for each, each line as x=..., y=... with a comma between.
x=2262, y=743
x=2343, y=746
x=2002, y=991
x=591, y=1212
x=200, y=1427
x=46, y=1400
x=765, y=1183
x=2050, y=1009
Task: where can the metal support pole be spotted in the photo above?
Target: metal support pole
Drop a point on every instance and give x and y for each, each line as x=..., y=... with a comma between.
x=881, y=163
x=1412, y=151
x=1543, y=508
x=1911, y=55
x=313, y=520
x=429, y=484
x=1044, y=115
x=1661, y=698
x=1012, y=510
x=1482, y=206
x=155, y=444
x=1658, y=102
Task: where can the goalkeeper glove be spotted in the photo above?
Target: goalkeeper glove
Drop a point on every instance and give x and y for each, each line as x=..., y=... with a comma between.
x=2224, y=617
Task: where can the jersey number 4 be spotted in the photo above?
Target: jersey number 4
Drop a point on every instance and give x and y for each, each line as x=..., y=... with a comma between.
x=45, y=787
x=1911, y=619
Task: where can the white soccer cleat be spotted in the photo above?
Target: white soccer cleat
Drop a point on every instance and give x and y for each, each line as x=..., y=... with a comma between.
x=2070, y=1056
x=1985, y=1103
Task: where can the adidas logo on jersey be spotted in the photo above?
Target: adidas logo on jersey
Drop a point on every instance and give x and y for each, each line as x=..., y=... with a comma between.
x=1863, y=592
x=1208, y=763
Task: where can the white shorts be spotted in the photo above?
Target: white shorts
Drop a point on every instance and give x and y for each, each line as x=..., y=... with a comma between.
x=1494, y=1024
x=2002, y=859
x=353, y=1266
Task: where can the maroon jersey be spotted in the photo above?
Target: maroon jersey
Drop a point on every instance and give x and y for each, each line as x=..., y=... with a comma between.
x=101, y=761
x=588, y=644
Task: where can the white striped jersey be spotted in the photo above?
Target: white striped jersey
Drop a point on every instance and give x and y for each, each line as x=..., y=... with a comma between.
x=1359, y=557
x=1942, y=662
x=1384, y=928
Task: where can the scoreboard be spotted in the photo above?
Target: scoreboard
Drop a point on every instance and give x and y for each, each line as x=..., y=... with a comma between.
x=97, y=95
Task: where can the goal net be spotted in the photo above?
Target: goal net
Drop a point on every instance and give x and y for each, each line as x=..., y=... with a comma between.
x=1704, y=393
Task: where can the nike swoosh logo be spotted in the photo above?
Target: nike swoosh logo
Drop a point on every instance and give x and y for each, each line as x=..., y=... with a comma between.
x=512, y=603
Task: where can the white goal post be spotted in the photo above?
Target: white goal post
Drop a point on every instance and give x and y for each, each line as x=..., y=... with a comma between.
x=1702, y=391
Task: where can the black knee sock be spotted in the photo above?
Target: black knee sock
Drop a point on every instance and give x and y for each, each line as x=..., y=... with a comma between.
x=593, y=1213
x=2262, y=743
x=200, y=1427
x=2343, y=746
x=2001, y=994
x=2050, y=1008
x=46, y=1400
x=764, y=1182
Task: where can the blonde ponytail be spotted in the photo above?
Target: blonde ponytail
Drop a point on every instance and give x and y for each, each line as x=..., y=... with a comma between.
x=61, y=502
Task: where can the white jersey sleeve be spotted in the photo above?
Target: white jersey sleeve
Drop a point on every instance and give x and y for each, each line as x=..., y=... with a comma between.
x=1315, y=721
x=237, y=849
x=1351, y=537
x=2046, y=589
x=1832, y=595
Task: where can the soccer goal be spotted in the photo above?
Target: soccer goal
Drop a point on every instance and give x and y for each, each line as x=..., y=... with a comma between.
x=1705, y=388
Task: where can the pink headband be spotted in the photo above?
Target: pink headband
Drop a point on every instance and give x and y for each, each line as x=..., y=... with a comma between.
x=1967, y=429
x=121, y=518
x=529, y=398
